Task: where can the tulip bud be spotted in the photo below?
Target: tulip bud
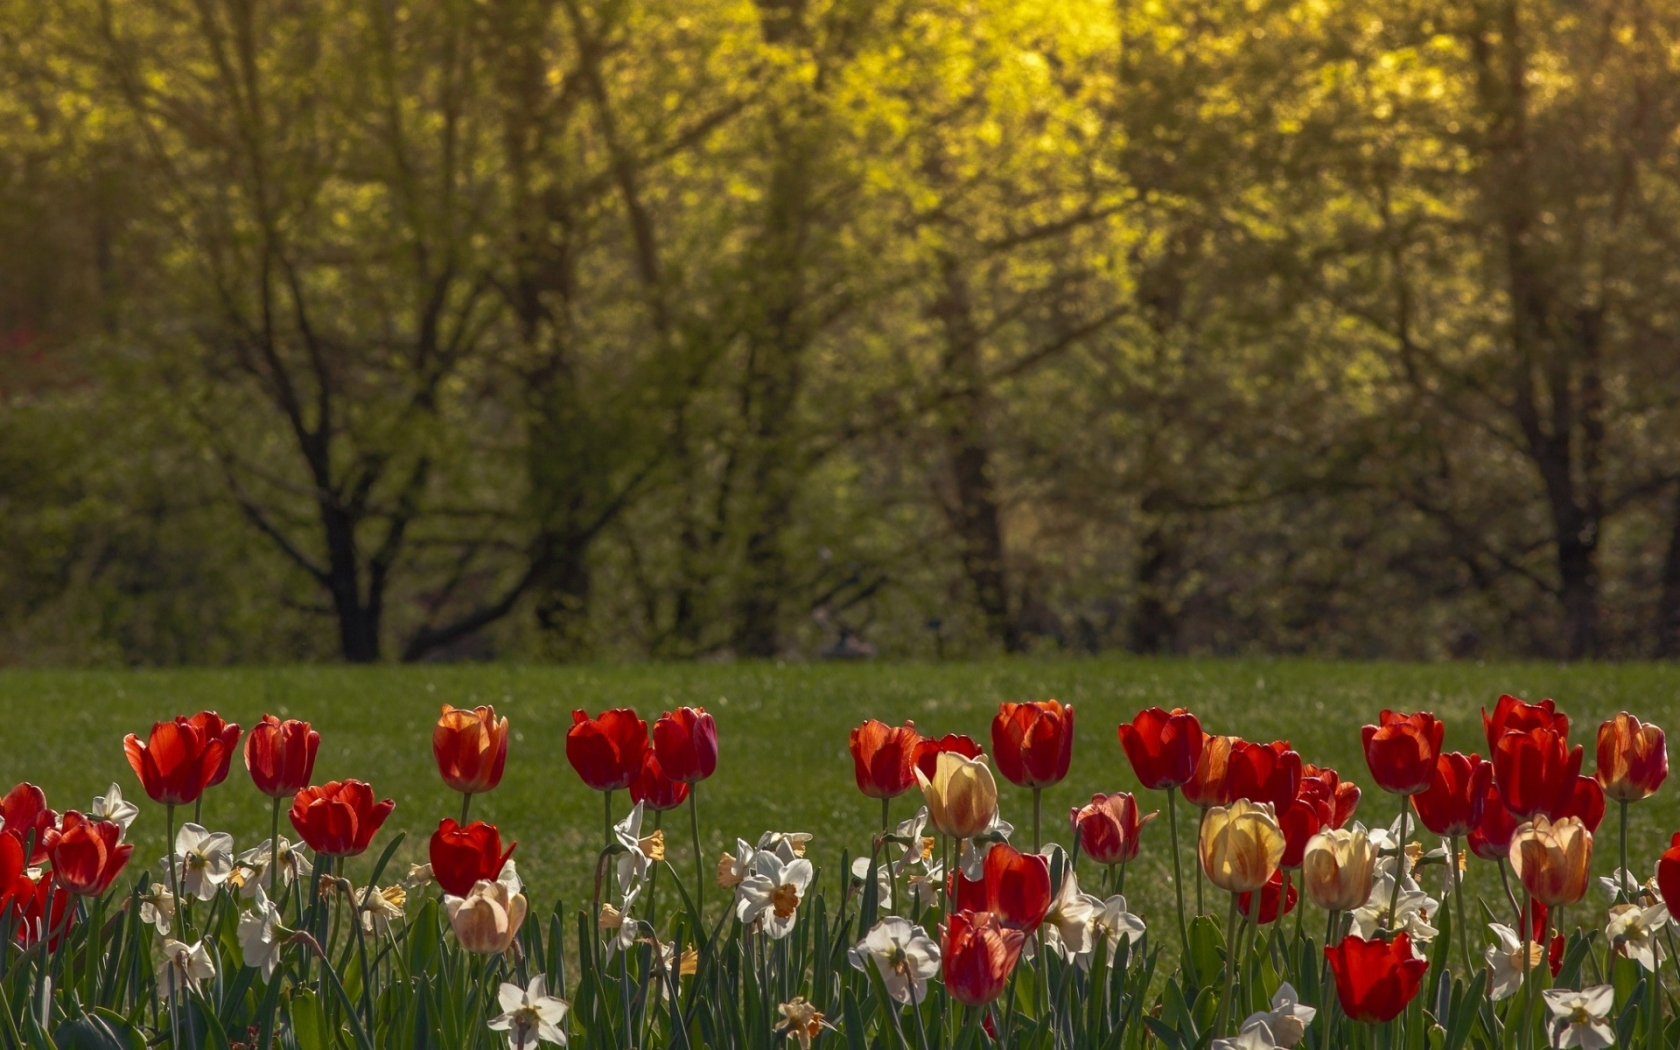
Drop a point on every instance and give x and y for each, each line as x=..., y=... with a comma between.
x=281, y=755
x=977, y=956
x=1338, y=867
x=487, y=919
x=881, y=757
x=1163, y=746
x=470, y=748
x=1553, y=859
x=1401, y=751
x=1206, y=786
x=1033, y=742
x=1108, y=828
x=1632, y=758
x=962, y=797
x=1241, y=845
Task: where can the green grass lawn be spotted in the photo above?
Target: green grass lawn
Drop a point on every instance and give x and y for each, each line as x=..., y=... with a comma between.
x=783, y=736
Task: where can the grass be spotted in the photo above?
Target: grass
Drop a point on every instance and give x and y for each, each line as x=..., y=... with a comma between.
x=783, y=732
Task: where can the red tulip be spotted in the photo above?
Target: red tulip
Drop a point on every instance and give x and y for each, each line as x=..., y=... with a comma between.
x=1163, y=746
x=1206, y=787
x=1585, y=802
x=654, y=789
x=1491, y=838
x=471, y=748
x=1513, y=715
x=1269, y=894
x=1032, y=743
x=1014, y=886
x=977, y=956
x=462, y=856
x=26, y=815
x=925, y=755
x=1300, y=820
x=281, y=755
x=1263, y=773
x=686, y=742
x=1327, y=785
x=1632, y=758
x=177, y=762
x=1539, y=920
x=1108, y=827
x=1554, y=954
x=1535, y=771
x=338, y=819
x=215, y=727
x=1452, y=805
x=1668, y=875
x=881, y=758
x=1401, y=751
x=39, y=907
x=89, y=855
x=607, y=751
x=1375, y=980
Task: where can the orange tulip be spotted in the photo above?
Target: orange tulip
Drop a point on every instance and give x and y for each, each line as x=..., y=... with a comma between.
x=1207, y=787
x=1632, y=758
x=1553, y=859
x=471, y=748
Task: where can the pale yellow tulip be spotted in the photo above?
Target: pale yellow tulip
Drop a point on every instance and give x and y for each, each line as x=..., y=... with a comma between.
x=962, y=797
x=1338, y=867
x=1241, y=845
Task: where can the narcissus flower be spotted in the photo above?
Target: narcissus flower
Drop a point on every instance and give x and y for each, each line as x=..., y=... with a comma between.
x=25, y=815
x=1337, y=868
x=1401, y=750
x=88, y=855
x=1163, y=746
x=215, y=727
x=1032, y=742
x=1511, y=714
x=1452, y=804
x=281, y=755
x=925, y=757
x=177, y=761
x=261, y=934
x=184, y=966
x=1581, y=1018
x=488, y=918
x=1288, y=1018
x=962, y=797
x=1506, y=963
x=471, y=748
x=111, y=806
x=251, y=867
x=1108, y=827
x=1015, y=888
x=529, y=1015
x=773, y=892
x=462, y=856
x=1241, y=845
x=802, y=1021
x=1633, y=931
x=1206, y=787
x=654, y=789
x=1535, y=771
x=904, y=955
x=1553, y=860
x=978, y=955
x=203, y=860
x=1375, y=980
x=339, y=818
x=686, y=742
x=1632, y=758
x=882, y=757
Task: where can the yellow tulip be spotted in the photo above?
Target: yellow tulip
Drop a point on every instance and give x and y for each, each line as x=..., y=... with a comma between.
x=1553, y=859
x=962, y=797
x=488, y=918
x=1337, y=868
x=1241, y=845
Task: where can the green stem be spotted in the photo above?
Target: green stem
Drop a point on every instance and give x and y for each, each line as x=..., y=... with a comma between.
x=699, y=860
x=1178, y=875
x=1527, y=960
x=1201, y=909
x=1621, y=876
x=1458, y=905
x=1037, y=799
x=466, y=804
x=886, y=829
x=1399, y=863
x=274, y=855
x=174, y=880
x=606, y=819
x=1230, y=965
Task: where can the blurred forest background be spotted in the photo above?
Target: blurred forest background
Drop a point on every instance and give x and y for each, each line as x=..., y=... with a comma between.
x=557, y=329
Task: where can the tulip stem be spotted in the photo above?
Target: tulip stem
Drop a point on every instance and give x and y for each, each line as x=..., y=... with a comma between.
x=1037, y=799
x=1458, y=905
x=1505, y=878
x=1200, y=876
x=466, y=804
x=1622, y=875
x=174, y=882
x=1120, y=881
x=886, y=849
x=1399, y=864
x=607, y=824
x=699, y=861
x=1230, y=962
x=1527, y=961
x=1178, y=874
x=274, y=855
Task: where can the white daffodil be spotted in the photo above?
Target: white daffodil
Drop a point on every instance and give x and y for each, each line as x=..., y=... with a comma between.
x=733, y=868
x=620, y=923
x=1287, y=1020
x=260, y=935
x=1633, y=930
x=110, y=806
x=379, y=908
x=1581, y=1018
x=1505, y=961
x=801, y=1021
x=530, y=1015
x=184, y=966
x=789, y=845
x=883, y=876
x=510, y=878
x=253, y=866
x=773, y=892
x=1255, y=1035
x=639, y=852
x=917, y=850
x=1412, y=914
x=1067, y=925
x=420, y=876
x=1111, y=923
x=203, y=860
x=974, y=850
x=903, y=953
x=926, y=886
x=157, y=906
x=1621, y=882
